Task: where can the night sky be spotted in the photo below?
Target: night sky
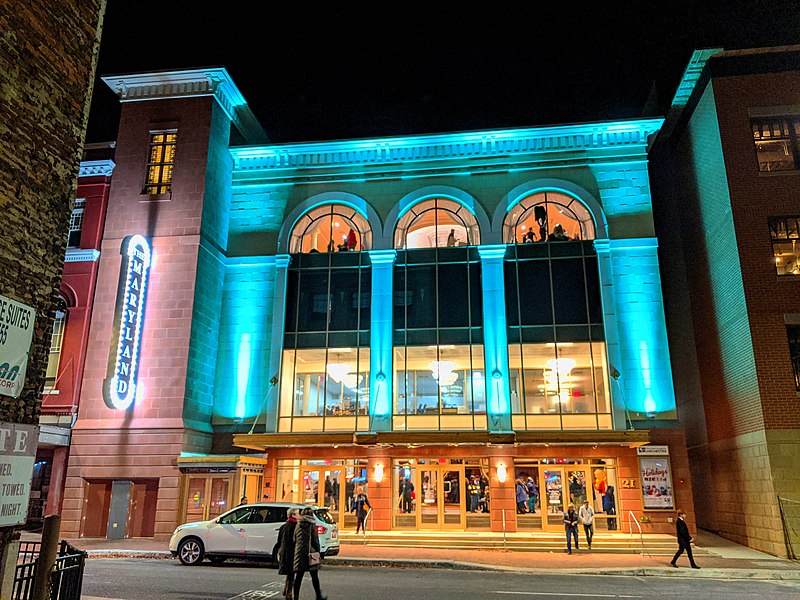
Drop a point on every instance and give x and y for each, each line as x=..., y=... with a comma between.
x=399, y=68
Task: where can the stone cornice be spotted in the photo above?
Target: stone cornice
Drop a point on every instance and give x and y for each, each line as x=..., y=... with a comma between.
x=630, y=134
x=96, y=168
x=190, y=83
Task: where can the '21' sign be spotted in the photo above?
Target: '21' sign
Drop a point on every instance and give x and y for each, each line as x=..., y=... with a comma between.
x=119, y=389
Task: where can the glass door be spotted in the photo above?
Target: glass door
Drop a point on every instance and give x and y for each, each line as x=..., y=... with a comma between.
x=553, y=500
x=309, y=486
x=207, y=497
x=452, y=502
x=429, y=507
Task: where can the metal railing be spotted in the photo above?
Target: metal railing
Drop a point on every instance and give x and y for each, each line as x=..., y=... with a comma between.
x=632, y=517
x=66, y=580
x=790, y=521
x=368, y=519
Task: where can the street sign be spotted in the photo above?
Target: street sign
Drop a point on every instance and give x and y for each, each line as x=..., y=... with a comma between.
x=650, y=450
x=17, y=456
x=16, y=332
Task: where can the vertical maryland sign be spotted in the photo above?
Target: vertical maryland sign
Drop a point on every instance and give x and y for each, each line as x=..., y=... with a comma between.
x=119, y=388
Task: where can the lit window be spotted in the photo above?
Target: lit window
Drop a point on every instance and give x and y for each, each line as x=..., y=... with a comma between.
x=793, y=332
x=777, y=143
x=785, y=235
x=160, y=162
x=437, y=223
x=76, y=224
x=548, y=217
x=56, y=341
x=331, y=228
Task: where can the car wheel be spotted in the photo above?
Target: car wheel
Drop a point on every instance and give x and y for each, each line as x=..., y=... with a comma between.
x=217, y=560
x=191, y=551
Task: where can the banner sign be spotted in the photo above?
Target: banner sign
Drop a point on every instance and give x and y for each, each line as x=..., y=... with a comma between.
x=656, y=483
x=17, y=456
x=652, y=450
x=119, y=389
x=16, y=333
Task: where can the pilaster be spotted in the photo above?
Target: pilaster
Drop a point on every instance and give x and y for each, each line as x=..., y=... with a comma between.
x=381, y=345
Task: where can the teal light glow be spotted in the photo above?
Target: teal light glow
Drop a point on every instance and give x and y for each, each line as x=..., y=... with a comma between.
x=380, y=358
x=644, y=357
x=495, y=337
x=242, y=374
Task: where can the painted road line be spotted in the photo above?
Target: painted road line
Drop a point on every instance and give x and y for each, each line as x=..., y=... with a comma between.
x=261, y=593
x=565, y=594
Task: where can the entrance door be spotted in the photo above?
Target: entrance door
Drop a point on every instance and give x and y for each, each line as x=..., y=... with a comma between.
x=323, y=487
x=207, y=497
x=441, y=498
x=562, y=485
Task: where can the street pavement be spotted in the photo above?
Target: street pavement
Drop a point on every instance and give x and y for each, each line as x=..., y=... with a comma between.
x=135, y=579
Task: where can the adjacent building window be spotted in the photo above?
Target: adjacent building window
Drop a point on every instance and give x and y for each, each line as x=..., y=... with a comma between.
x=777, y=142
x=56, y=341
x=793, y=332
x=785, y=235
x=76, y=224
x=160, y=162
x=548, y=217
x=437, y=223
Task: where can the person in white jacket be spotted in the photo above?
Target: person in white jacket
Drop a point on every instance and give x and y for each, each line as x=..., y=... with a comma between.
x=586, y=516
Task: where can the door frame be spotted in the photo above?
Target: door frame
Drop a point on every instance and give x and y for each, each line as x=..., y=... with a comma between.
x=565, y=493
x=441, y=525
x=206, y=506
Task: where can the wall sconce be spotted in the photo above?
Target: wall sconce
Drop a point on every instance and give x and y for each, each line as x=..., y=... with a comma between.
x=497, y=374
x=501, y=473
x=380, y=377
x=378, y=472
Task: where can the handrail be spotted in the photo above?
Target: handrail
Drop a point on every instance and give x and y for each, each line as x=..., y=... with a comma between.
x=367, y=519
x=630, y=529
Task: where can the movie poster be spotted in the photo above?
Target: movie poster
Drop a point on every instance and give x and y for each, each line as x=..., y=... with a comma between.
x=656, y=483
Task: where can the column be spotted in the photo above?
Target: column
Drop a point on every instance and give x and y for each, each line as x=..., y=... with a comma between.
x=636, y=332
x=502, y=493
x=276, y=340
x=495, y=337
x=381, y=343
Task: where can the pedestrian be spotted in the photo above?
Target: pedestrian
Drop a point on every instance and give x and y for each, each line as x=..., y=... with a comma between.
x=243, y=501
x=328, y=490
x=522, y=497
x=571, y=527
x=360, y=505
x=609, y=507
x=284, y=551
x=684, y=541
x=533, y=494
x=586, y=515
x=406, y=494
x=307, y=554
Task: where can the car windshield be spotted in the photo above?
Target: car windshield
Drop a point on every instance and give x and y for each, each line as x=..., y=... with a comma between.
x=325, y=516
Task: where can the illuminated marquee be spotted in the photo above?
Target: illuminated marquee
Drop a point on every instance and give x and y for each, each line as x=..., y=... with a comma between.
x=119, y=389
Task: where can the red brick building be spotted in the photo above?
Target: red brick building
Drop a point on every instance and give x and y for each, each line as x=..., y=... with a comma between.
x=726, y=173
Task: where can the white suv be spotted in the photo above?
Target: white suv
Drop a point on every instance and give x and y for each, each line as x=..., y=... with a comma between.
x=249, y=531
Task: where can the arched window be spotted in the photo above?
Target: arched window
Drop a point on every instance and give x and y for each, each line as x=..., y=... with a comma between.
x=548, y=216
x=437, y=222
x=331, y=228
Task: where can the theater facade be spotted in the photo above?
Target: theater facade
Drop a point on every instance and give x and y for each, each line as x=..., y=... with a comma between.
x=431, y=319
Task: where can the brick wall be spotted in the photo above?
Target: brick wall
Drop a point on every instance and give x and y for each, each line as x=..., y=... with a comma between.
x=47, y=62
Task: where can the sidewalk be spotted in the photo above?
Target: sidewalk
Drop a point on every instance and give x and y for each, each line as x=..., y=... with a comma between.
x=725, y=559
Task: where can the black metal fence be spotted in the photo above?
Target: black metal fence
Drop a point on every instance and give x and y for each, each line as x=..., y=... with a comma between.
x=66, y=580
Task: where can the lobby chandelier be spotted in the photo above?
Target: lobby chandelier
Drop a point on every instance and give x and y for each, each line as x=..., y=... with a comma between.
x=443, y=373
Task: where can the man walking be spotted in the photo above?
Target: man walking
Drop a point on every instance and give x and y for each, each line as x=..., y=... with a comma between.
x=586, y=515
x=684, y=541
x=571, y=527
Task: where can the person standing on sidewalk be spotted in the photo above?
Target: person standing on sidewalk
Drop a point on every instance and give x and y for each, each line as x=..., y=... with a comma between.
x=284, y=552
x=684, y=541
x=307, y=554
x=571, y=527
x=586, y=515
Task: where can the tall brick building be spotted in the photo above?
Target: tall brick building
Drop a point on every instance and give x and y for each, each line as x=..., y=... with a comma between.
x=47, y=59
x=725, y=177
x=450, y=312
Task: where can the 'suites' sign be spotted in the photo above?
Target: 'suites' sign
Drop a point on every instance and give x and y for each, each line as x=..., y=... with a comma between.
x=17, y=455
x=119, y=389
x=16, y=333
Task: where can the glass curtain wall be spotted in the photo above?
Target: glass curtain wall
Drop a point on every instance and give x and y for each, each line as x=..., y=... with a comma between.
x=439, y=379
x=325, y=371
x=557, y=356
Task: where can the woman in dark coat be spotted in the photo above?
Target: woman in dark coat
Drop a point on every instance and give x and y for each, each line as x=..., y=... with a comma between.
x=284, y=553
x=306, y=541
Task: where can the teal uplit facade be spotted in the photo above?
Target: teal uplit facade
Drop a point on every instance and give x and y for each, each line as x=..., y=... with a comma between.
x=482, y=175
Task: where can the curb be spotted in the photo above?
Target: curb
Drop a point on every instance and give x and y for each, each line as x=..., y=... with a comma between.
x=400, y=563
